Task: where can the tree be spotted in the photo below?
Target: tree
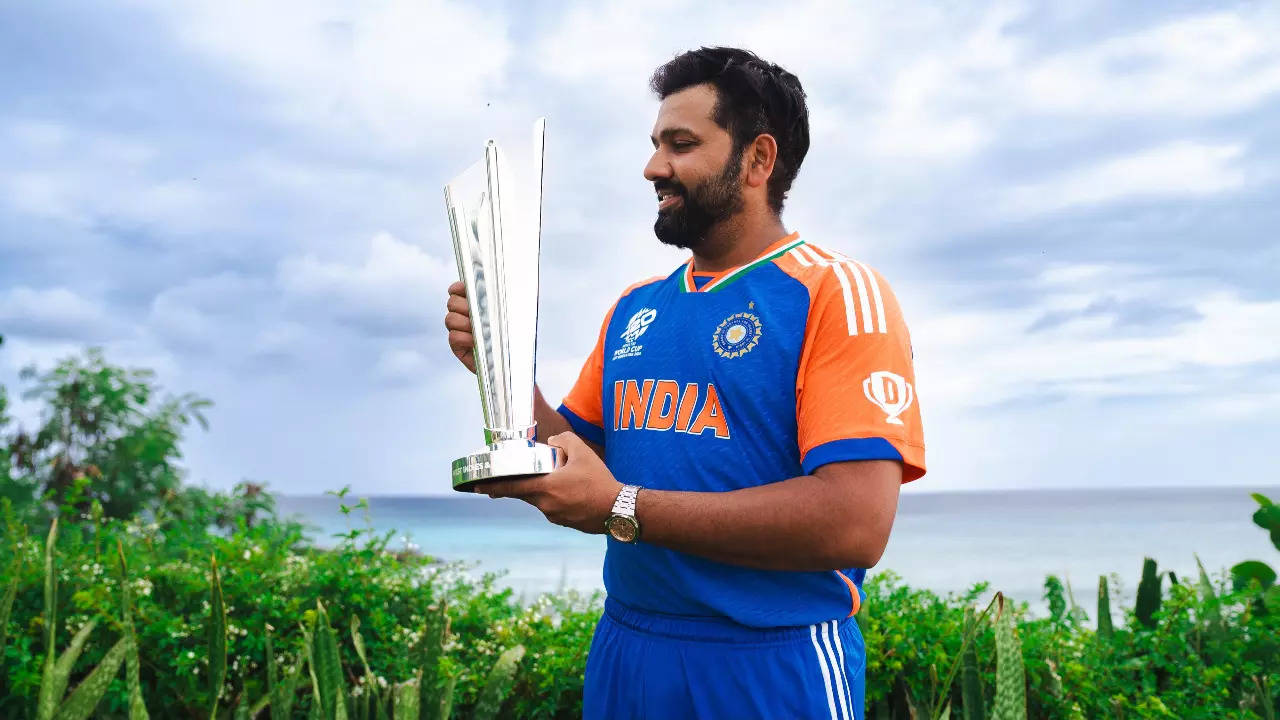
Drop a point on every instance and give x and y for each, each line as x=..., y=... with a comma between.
x=105, y=424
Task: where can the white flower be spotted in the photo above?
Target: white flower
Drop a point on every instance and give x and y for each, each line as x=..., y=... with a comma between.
x=191, y=654
x=247, y=554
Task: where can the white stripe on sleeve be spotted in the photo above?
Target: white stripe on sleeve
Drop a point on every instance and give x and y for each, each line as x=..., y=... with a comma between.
x=875, y=293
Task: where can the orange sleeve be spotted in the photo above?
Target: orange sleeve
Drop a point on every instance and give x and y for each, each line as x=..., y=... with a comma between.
x=583, y=407
x=856, y=386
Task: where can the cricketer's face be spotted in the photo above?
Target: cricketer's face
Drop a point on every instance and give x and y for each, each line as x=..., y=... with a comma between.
x=696, y=174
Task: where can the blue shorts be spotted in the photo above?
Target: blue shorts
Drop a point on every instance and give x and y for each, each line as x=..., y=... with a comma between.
x=665, y=667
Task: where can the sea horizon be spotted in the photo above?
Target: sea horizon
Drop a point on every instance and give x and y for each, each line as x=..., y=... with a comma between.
x=944, y=541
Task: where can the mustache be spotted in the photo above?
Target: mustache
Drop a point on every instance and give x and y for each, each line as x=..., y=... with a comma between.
x=660, y=185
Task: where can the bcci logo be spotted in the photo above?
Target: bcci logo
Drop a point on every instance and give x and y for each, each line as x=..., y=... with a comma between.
x=636, y=327
x=891, y=392
x=737, y=335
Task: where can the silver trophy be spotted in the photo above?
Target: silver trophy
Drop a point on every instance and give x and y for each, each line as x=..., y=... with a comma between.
x=495, y=216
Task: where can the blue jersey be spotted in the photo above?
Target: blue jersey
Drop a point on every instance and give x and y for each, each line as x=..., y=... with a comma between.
x=749, y=376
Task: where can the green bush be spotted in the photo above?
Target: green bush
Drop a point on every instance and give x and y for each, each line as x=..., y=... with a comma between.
x=1213, y=651
x=106, y=424
x=269, y=578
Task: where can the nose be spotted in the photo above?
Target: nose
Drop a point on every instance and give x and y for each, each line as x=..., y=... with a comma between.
x=657, y=167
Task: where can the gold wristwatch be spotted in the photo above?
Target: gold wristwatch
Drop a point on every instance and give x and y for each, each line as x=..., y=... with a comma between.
x=622, y=524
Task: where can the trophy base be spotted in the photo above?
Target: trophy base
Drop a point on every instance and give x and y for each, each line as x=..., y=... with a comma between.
x=505, y=460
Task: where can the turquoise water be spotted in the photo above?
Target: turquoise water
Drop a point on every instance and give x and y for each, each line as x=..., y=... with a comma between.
x=942, y=541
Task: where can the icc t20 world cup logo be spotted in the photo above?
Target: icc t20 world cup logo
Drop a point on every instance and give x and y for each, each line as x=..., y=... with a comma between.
x=638, y=324
x=890, y=392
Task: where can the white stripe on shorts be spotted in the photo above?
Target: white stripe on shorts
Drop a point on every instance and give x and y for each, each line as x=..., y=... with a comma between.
x=837, y=671
x=822, y=663
x=844, y=677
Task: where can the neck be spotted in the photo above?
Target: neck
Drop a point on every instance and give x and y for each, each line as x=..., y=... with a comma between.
x=737, y=241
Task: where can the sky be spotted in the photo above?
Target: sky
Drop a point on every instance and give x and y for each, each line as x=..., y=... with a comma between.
x=1076, y=204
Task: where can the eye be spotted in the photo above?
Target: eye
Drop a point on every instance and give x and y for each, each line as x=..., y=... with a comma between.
x=683, y=145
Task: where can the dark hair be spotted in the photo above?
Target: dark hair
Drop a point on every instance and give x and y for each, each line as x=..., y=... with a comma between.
x=753, y=96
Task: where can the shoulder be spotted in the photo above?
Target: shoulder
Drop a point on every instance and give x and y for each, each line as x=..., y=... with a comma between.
x=833, y=277
x=633, y=292
x=822, y=267
x=641, y=284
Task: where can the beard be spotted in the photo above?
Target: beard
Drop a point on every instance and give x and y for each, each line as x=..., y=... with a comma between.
x=701, y=206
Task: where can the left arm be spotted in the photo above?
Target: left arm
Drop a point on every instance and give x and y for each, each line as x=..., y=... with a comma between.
x=838, y=517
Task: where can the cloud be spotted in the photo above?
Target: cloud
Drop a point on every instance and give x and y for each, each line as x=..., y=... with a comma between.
x=1209, y=64
x=1180, y=169
x=1132, y=314
x=398, y=366
x=84, y=180
x=398, y=289
x=56, y=313
x=1088, y=356
x=397, y=74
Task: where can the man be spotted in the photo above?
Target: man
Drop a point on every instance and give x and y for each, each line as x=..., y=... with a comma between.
x=742, y=427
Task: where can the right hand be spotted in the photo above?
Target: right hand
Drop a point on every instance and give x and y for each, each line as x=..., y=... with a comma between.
x=458, y=321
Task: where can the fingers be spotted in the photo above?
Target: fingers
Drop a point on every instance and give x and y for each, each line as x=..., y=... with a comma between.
x=459, y=340
x=523, y=488
x=458, y=304
x=570, y=445
x=456, y=321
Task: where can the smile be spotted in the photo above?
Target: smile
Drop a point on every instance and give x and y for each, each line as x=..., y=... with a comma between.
x=668, y=202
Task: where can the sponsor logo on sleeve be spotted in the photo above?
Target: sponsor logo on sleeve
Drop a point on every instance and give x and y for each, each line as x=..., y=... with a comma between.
x=890, y=392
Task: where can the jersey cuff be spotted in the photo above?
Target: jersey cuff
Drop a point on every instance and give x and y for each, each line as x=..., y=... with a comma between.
x=586, y=429
x=872, y=448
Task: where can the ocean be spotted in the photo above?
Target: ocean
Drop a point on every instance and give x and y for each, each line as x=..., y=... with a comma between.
x=944, y=541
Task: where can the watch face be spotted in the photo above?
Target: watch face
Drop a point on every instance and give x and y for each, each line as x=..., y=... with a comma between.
x=622, y=529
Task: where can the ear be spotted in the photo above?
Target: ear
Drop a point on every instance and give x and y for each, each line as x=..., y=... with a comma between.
x=759, y=158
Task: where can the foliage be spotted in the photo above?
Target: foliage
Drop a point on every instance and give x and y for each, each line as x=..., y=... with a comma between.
x=1212, y=653
x=1210, y=649
x=1011, y=683
x=272, y=582
x=106, y=436
x=1255, y=573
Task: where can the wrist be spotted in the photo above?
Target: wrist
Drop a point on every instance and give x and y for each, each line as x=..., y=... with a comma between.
x=622, y=524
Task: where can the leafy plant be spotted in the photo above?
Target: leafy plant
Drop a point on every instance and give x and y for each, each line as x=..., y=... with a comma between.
x=104, y=424
x=1244, y=574
x=501, y=680
x=1149, y=594
x=1105, y=628
x=57, y=672
x=971, y=701
x=1011, y=689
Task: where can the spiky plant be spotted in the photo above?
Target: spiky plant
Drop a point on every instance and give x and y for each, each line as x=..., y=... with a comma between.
x=1105, y=628
x=84, y=699
x=1011, y=687
x=1148, y=600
